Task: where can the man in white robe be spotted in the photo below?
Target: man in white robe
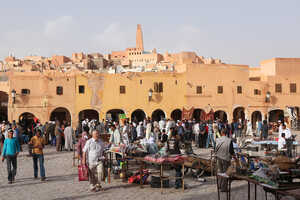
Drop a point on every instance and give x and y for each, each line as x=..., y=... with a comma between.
x=68, y=132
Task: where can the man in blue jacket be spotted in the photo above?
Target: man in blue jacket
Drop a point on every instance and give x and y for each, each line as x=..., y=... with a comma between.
x=11, y=149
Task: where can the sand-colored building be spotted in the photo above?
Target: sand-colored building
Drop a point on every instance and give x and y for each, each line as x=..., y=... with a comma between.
x=33, y=87
x=232, y=91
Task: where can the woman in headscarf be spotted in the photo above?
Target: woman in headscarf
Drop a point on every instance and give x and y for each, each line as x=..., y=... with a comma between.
x=81, y=144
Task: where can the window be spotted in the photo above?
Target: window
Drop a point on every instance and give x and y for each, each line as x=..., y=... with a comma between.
x=257, y=92
x=199, y=89
x=59, y=90
x=141, y=82
x=220, y=89
x=81, y=89
x=176, y=82
x=158, y=87
x=25, y=91
x=122, y=89
x=278, y=88
x=293, y=88
x=155, y=87
x=239, y=89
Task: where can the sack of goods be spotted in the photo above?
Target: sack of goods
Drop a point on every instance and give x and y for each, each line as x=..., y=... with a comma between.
x=156, y=182
x=83, y=173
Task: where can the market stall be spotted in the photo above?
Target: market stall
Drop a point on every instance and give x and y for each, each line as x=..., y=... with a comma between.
x=273, y=175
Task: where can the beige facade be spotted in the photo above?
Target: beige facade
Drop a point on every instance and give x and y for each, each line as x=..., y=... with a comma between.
x=234, y=90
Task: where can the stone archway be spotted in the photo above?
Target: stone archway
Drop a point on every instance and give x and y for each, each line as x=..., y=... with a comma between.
x=176, y=114
x=221, y=115
x=61, y=114
x=113, y=114
x=256, y=116
x=158, y=114
x=88, y=114
x=239, y=113
x=27, y=120
x=197, y=114
x=138, y=115
x=3, y=106
x=275, y=115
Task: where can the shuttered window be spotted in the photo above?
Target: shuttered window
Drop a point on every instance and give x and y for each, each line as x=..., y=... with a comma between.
x=293, y=88
x=278, y=88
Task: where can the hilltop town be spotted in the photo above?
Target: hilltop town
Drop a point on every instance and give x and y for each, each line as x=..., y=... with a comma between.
x=98, y=85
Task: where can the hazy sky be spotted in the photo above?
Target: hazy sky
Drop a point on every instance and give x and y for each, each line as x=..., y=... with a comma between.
x=237, y=32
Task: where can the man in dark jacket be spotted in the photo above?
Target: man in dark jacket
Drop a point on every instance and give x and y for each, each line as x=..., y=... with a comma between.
x=173, y=148
x=265, y=130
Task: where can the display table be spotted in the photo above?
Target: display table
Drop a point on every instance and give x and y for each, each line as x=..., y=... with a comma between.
x=292, y=193
x=272, y=144
x=161, y=163
x=276, y=191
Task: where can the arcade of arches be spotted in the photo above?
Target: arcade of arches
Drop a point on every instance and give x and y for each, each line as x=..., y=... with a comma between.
x=137, y=115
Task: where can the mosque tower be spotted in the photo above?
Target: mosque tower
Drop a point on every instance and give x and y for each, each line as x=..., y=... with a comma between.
x=139, y=38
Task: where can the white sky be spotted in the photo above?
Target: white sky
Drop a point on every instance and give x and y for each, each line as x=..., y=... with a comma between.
x=237, y=32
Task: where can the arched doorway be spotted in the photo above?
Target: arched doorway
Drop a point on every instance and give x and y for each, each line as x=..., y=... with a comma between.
x=276, y=115
x=26, y=120
x=239, y=113
x=3, y=106
x=197, y=114
x=138, y=115
x=176, y=114
x=88, y=114
x=158, y=114
x=113, y=115
x=221, y=115
x=256, y=116
x=60, y=114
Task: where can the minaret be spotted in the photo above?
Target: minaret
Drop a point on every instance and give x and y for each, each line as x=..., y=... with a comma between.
x=139, y=38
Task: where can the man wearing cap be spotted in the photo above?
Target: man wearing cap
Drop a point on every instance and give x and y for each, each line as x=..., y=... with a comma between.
x=11, y=149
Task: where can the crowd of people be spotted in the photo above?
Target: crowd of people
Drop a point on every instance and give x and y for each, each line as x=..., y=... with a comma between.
x=167, y=134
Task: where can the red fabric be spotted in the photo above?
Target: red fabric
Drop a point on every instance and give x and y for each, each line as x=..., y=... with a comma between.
x=137, y=177
x=35, y=119
x=83, y=173
x=187, y=114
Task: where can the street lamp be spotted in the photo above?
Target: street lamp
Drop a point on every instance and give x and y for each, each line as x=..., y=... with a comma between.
x=13, y=95
x=150, y=92
x=268, y=96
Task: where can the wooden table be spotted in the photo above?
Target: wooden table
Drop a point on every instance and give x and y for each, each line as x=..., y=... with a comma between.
x=267, y=188
x=293, y=193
